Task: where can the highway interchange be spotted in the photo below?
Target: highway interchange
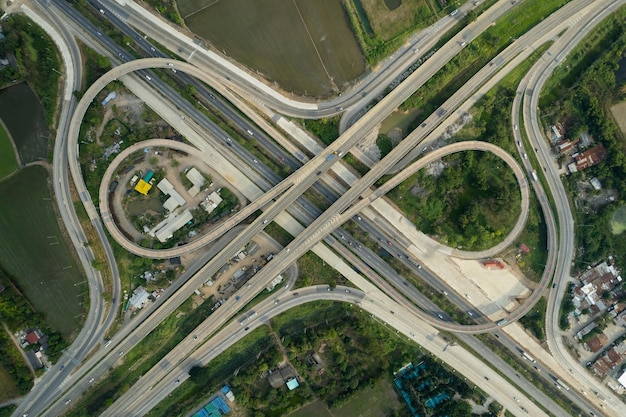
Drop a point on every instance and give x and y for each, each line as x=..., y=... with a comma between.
x=343, y=209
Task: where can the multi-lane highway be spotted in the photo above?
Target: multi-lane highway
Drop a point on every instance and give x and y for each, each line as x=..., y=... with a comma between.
x=349, y=141
x=529, y=92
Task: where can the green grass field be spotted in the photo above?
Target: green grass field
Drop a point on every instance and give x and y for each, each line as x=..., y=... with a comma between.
x=618, y=221
x=33, y=250
x=388, y=24
x=315, y=409
x=8, y=389
x=306, y=47
x=379, y=400
x=8, y=163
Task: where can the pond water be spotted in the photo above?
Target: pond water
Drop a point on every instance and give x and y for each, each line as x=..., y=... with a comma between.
x=22, y=114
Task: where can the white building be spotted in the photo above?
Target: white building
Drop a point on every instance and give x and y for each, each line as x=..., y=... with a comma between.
x=197, y=179
x=139, y=298
x=175, y=199
x=622, y=379
x=211, y=202
x=164, y=230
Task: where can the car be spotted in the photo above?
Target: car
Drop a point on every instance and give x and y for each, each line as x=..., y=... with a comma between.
x=91, y=380
x=255, y=161
x=265, y=221
x=389, y=243
x=515, y=127
x=359, y=218
x=287, y=286
x=419, y=266
x=62, y=367
x=152, y=49
x=392, y=312
x=195, y=337
x=281, y=158
x=424, y=124
x=169, y=64
x=319, y=173
x=444, y=292
x=470, y=313
x=275, y=301
x=288, y=249
x=177, y=381
x=121, y=353
x=246, y=328
x=68, y=401
x=516, y=399
x=525, y=155
x=328, y=289
x=405, y=283
x=212, y=96
x=440, y=316
x=553, y=285
x=237, y=298
x=295, y=294
x=347, y=290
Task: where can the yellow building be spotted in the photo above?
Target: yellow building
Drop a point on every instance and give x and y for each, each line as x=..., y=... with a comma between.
x=143, y=187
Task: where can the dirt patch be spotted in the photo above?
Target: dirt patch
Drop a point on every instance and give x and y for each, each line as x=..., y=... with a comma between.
x=619, y=114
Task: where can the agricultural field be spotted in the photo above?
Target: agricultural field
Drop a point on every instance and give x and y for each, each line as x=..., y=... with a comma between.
x=8, y=163
x=23, y=116
x=305, y=47
x=34, y=251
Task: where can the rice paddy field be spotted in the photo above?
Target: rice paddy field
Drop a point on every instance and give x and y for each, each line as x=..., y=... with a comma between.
x=34, y=251
x=305, y=47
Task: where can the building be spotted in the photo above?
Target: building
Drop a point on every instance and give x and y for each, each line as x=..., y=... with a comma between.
x=32, y=337
x=586, y=159
x=596, y=184
x=292, y=384
x=557, y=132
x=252, y=248
x=175, y=199
x=197, y=179
x=173, y=222
x=597, y=342
x=565, y=146
x=211, y=202
x=142, y=187
x=139, y=298
x=622, y=379
x=109, y=97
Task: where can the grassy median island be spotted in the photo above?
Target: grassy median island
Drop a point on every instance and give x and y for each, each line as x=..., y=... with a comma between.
x=470, y=200
x=463, y=66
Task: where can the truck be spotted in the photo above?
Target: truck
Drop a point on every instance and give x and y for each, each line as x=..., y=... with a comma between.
x=561, y=384
x=527, y=356
x=534, y=175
